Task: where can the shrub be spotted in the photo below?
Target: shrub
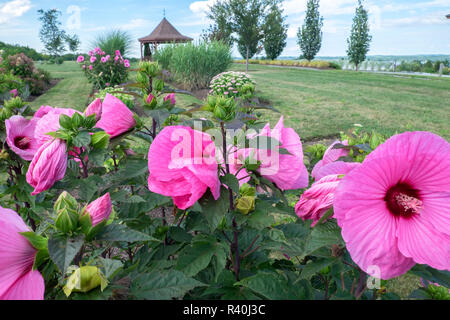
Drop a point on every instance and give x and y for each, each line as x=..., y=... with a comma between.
x=23, y=67
x=115, y=40
x=19, y=65
x=126, y=98
x=196, y=64
x=233, y=84
x=104, y=70
x=10, y=82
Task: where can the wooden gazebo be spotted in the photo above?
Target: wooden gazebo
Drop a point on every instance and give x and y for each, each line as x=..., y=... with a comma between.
x=165, y=32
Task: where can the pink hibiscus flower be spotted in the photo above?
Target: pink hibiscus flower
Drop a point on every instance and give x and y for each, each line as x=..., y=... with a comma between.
x=20, y=136
x=331, y=155
x=116, y=119
x=287, y=171
x=395, y=209
x=182, y=165
x=171, y=97
x=49, y=122
x=100, y=209
x=80, y=59
x=18, y=281
x=48, y=166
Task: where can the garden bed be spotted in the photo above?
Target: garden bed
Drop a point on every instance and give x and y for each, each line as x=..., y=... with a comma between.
x=53, y=83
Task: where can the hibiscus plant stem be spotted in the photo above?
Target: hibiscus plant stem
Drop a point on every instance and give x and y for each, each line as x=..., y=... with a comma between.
x=235, y=244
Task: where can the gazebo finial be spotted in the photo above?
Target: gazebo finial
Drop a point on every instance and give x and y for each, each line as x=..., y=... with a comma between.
x=164, y=12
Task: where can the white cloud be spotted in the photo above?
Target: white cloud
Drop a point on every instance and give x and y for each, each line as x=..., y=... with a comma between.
x=201, y=7
x=13, y=9
x=138, y=23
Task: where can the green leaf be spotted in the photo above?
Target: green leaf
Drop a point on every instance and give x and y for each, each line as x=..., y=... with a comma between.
x=63, y=250
x=314, y=267
x=275, y=286
x=65, y=121
x=196, y=257
x=231, y=181
x=441, y=277
x=100, y=140
x=323, y=235
x=77, y=119
x=219, y=260
x=162, y=285
x=82, y=139
x=110, y=267
x=38, y=242
x=214, y=210
x=261, y=218
x=120, y=232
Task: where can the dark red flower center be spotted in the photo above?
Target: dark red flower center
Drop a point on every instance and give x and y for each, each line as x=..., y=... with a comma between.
x=403, y=201
x=22, y=143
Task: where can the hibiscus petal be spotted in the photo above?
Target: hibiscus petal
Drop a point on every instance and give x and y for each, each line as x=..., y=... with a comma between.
x=370, y=235
x=418, y=239
x=16, y=253
x=31, y=286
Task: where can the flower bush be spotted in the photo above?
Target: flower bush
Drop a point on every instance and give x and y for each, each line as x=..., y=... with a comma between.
x=205, y=205
x=104, y=70
x=233, y=84
x=22, y=67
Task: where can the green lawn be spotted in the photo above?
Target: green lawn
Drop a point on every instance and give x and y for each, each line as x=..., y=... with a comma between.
x=316, y=103
x=71, y=92
x=323, y=103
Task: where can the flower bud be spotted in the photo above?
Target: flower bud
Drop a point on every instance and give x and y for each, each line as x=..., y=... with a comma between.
x=85, y=279
x=245, y=205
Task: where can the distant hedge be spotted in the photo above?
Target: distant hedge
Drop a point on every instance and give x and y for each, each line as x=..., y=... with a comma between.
x=318, y=64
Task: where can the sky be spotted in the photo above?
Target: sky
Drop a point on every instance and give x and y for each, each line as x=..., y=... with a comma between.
x=399, y=27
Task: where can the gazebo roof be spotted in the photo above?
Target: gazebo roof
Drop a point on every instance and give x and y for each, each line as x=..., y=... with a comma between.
x=165, y=32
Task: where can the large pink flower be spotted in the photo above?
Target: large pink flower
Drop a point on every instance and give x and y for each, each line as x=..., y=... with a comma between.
x=287, y=171
x=49, y=122
x=116, y=118
x=100, y=209
x=182, y=165
x=395, y=209
x=18, y=281
x=331, y=155
x=20, y=136
x=48, y=166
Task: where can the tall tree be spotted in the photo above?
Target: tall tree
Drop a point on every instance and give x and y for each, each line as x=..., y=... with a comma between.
x=310, y=35
x=275, y=32
x=221, y=30
x=247, y=21
x=52, y=36
x=359, y=41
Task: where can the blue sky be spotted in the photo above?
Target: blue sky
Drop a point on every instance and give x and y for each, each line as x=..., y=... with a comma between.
x=399, y=27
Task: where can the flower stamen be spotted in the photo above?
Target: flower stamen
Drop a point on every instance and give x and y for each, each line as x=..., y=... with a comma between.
x=408, y=203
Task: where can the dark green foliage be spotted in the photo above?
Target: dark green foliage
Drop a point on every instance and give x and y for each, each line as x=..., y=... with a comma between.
x=275, y=32
x=310, y=35
x=359, y=41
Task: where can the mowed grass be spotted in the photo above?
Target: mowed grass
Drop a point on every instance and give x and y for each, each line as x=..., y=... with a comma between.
x=322, y=103
x=71, y=92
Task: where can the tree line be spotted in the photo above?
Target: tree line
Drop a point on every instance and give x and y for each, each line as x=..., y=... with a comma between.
x=255, y=25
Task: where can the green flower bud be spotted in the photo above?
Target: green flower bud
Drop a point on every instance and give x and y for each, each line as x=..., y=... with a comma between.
x=66, y=208
x=85, y=279
x=247, y=190
x=245, y=204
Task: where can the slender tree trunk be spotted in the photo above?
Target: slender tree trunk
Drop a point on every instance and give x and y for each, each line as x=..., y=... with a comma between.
x=247, y=58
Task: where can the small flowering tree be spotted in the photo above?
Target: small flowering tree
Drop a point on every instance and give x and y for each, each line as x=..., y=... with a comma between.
x=206, y=206
x=103, y=70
